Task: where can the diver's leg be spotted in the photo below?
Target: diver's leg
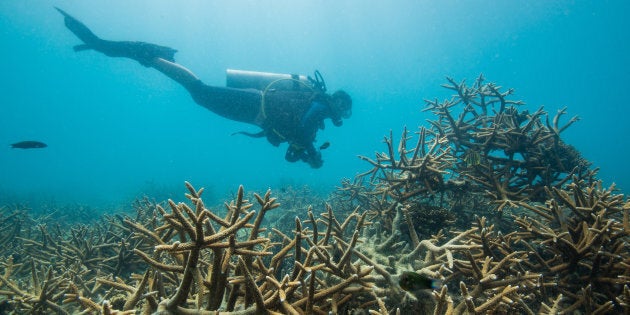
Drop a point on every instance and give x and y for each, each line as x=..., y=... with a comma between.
x=236, y=104
x=175, y=71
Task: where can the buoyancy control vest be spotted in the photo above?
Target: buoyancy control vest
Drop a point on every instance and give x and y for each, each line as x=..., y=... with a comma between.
x=285, y=100
x=284, y=113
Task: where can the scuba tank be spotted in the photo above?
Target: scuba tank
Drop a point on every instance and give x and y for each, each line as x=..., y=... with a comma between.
x=243, y=79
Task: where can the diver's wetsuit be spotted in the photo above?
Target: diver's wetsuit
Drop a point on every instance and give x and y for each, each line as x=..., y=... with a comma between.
x=288, y=116
x=236, y=104
x=295, y=117
x=285, y=116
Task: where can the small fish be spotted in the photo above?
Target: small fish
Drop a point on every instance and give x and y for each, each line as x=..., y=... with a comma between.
x=472, y=158
x=412, y=281
x=28, y=145
x=325, y=145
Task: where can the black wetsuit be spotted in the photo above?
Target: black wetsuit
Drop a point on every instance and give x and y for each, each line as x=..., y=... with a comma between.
x=285, y=116
x=295, y=117
x=236, y=104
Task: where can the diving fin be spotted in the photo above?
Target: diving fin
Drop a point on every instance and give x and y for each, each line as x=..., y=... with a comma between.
x=79, y=29
x=142, y=52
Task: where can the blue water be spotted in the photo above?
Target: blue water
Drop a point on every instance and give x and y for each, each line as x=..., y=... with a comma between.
x=116, y=129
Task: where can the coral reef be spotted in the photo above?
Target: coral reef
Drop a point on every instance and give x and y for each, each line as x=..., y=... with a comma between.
x=189, y=260
x=544, y=230
x=487, y=198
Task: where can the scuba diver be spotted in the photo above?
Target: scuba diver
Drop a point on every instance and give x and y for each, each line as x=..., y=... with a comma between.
x=288, y=108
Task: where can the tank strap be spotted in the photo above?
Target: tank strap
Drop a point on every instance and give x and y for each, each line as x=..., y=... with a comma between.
x=249, y=134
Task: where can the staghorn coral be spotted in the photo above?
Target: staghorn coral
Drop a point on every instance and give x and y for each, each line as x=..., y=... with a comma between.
x=543, y=231
x=579, y=241
x=190, y=260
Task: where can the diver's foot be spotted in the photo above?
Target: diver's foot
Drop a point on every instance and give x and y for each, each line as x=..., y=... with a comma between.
x=144, y=53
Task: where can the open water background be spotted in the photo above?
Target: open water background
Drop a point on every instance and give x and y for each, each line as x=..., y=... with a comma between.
x=116, y=130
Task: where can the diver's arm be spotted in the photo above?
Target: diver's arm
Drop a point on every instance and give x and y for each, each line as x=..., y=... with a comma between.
x=311, y=122
x=312, y=156
x=313, y=119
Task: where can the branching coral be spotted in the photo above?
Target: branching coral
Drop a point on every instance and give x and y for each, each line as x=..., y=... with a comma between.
x=566, y=242
x=488, y=200
x=578, y=240
x=193, y=261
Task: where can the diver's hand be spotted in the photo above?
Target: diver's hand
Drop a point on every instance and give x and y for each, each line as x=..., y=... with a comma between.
x=311, y=156
x=314, y=160
x=294, y=153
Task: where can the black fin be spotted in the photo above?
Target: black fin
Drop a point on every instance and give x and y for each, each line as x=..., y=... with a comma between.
x=79, y=29
x=142, y=52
